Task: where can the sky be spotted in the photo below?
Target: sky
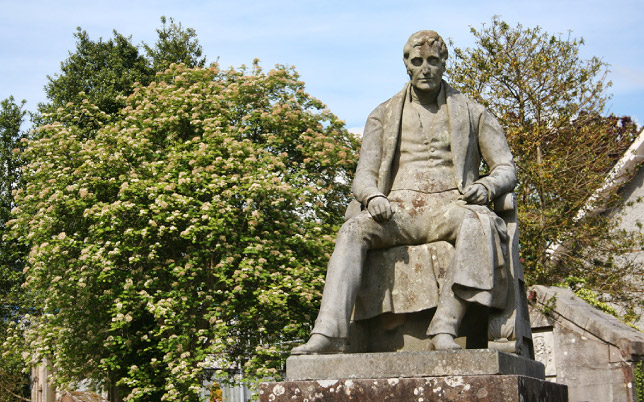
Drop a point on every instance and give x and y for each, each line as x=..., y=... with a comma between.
x=349, y=53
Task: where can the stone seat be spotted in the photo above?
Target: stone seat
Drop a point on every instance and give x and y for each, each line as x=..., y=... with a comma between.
x=400, y=290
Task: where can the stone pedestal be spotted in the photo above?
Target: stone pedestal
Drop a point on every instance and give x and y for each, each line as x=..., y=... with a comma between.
x=484, y=388
x=411, y=364
x=460, y=375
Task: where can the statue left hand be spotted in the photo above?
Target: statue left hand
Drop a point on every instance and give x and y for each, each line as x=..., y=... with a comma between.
x=475, y=194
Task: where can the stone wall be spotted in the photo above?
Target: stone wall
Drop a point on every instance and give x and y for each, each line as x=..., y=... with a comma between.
x=590, y=351
x=630, y=217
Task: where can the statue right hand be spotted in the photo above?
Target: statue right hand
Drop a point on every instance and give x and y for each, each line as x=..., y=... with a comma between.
x=380, y=209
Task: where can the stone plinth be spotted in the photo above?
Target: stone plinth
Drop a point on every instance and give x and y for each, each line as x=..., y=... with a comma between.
x=484, y=388
x=480, y=375
x=411, y=364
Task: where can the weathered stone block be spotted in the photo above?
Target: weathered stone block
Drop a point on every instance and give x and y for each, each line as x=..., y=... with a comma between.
x=485, y=388
x=591, y=352
x=410, y=364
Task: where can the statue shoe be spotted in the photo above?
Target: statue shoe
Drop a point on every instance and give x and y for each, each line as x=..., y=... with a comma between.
x=444, y=342
x=320, y=344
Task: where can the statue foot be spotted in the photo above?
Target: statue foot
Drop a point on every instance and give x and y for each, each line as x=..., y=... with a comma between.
x=444, y=342
x=320, y=344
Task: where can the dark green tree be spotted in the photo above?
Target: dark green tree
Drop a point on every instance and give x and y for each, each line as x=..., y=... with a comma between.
x=13, y=383
x=103, y=72
x=175, y=45
x=551, y=102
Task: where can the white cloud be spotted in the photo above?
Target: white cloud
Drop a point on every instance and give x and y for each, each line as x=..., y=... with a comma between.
x=356, y=130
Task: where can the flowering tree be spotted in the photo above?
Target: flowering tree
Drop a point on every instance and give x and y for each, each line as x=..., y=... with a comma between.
x=198, y=222
x=13, y=383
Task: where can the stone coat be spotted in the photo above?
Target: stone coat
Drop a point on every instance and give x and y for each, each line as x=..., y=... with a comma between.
x=474, y=133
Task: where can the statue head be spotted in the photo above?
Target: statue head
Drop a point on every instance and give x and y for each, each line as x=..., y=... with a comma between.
x=425, y=54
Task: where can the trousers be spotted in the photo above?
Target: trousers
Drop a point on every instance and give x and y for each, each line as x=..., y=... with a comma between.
x=475, y=231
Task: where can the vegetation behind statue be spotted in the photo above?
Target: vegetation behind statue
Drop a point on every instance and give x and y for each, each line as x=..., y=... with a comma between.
x=195, y=223
x=551, y=102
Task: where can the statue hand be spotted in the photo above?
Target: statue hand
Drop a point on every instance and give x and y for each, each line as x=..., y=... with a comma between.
x=475, y=194
x=380, y=209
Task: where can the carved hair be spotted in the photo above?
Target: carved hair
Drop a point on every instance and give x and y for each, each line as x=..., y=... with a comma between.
x=431, y=38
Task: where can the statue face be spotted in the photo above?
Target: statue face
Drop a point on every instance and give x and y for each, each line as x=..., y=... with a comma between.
x=425, y=67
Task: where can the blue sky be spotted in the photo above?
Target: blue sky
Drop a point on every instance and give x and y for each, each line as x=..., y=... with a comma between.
x=349, y=53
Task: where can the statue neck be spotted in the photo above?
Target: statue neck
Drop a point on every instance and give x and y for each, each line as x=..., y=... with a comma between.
x=425, y=97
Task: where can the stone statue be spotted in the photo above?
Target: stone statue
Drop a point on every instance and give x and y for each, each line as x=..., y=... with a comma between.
x=417, y=182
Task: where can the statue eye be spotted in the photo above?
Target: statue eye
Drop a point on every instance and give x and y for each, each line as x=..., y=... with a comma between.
x=417, y=61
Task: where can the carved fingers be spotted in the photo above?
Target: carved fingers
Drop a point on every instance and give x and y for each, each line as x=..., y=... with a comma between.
x=476, y=194
x=380, y=209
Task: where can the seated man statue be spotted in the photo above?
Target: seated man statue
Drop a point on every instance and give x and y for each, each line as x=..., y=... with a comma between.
x=418, y=182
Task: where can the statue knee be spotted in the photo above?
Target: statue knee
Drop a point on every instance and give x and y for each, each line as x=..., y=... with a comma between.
x=467, y=214
x=466, y=220
x=350, y=230
x=353, y=230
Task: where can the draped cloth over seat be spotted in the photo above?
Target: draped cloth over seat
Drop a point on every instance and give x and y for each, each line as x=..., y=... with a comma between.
x=409, y=279
x=404, y=279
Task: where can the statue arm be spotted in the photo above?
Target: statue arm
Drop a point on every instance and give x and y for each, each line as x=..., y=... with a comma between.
x=365, y=183
x=496, y=153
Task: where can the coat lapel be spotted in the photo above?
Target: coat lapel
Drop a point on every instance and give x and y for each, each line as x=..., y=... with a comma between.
x=391, y=133
x=459, y=126
x=464, y=147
